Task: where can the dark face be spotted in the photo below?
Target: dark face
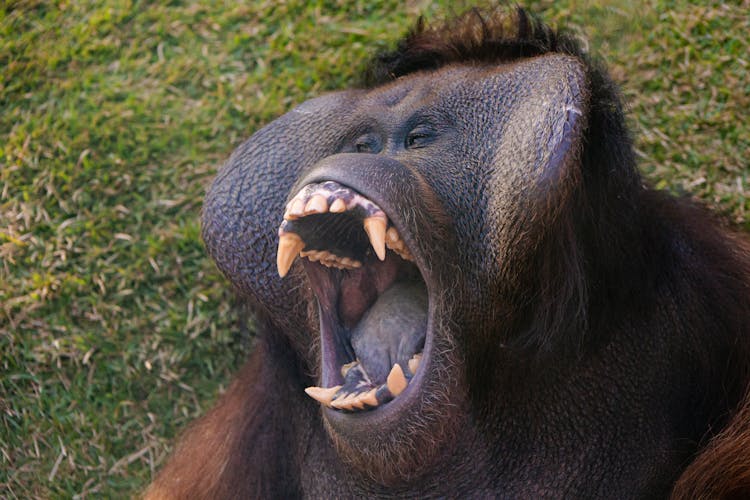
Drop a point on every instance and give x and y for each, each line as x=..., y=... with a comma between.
x=385, y=232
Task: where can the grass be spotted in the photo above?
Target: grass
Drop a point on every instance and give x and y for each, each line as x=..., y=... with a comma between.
x=115, y=328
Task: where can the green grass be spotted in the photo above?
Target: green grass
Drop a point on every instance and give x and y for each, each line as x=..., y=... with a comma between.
x=115, y=328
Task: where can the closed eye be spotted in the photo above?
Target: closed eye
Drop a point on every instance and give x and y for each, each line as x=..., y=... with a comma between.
x=419, y=137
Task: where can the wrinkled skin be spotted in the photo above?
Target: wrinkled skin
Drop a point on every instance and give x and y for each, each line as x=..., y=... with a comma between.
x=564, y=351
x=485, y=205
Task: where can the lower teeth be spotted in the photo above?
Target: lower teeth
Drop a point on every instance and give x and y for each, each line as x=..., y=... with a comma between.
x=358, y=392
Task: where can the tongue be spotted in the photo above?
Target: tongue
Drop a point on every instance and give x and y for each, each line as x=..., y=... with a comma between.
x=392, y=330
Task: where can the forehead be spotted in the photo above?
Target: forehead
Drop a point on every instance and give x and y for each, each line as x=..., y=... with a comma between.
x=544, y=76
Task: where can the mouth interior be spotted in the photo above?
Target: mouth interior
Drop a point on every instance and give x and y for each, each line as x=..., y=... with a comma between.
x=372, y=297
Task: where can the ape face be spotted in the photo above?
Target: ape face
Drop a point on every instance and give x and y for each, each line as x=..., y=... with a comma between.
x=400, y=220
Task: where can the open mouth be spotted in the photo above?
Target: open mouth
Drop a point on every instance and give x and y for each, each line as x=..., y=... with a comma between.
x=372, y=298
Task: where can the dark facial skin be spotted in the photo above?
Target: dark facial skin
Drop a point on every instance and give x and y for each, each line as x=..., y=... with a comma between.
x=564, y=318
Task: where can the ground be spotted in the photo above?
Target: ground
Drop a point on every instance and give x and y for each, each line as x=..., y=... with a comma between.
x=115, y=328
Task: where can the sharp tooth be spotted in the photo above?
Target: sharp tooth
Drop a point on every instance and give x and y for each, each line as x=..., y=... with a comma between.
x=316, y=205
x=290, y=245
x=414, y=363
x=396, y=380
x=338, y=206
x=322, y=395
x=296, y=209
x=375, y=229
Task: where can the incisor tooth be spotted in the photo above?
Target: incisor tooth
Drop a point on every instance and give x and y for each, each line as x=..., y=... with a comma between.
x=369, y=398
x=375, y=229
x=338, y=206
x=358, y=403
x=344, y=402
x=297, y=208
x=290, y=245
x=316, y=205
x=414, y=363
x=396, y=380
x=322, y=394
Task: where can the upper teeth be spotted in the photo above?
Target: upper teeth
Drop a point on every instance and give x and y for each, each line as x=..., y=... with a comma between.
x=326, y=197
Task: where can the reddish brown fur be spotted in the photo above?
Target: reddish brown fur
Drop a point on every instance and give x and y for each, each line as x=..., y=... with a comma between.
x=237, y=440
x=722, y=470
x=188, y=475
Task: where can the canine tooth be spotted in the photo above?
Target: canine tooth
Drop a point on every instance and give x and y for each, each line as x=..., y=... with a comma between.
x=375, y=229
x=296, y=209
x=396, y=380
x=316, y=205
x=290, y=244
x=338, y=206
x=322, y=395
x=414, y=363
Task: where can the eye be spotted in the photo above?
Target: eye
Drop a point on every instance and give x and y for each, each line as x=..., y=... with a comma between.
x=367, y=144
x=419, y=137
